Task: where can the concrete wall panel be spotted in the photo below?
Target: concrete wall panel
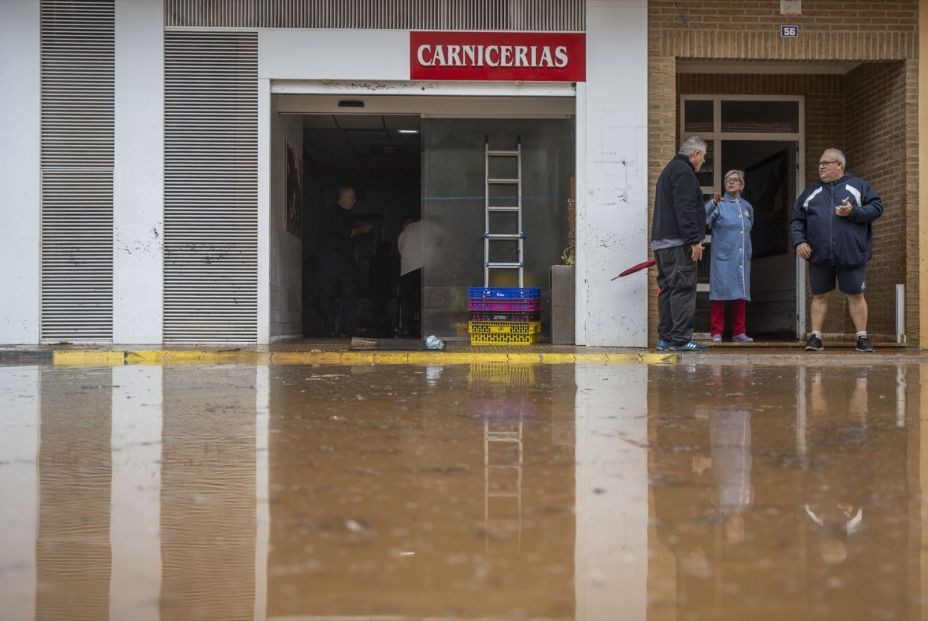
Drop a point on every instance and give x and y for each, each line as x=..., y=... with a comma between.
x=138, y=173
x=19, y=171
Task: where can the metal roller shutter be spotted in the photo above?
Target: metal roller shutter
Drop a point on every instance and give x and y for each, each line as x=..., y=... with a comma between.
x=77, y=47
x=210, y=187
x=524, y=15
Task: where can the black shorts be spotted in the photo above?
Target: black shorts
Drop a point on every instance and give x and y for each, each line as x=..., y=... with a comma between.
x=851, y=279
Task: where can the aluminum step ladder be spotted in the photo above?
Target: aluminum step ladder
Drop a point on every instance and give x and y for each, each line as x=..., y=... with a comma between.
x=492, y=160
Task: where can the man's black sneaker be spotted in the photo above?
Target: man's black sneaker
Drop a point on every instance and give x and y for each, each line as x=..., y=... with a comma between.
x=815, y=344
x=663, y=345
x=688, y=346
x=863, y=344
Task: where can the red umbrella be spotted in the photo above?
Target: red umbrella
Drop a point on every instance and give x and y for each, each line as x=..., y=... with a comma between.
x=636, y=268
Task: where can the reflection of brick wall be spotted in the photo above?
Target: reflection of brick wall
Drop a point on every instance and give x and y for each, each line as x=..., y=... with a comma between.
x=831, y=30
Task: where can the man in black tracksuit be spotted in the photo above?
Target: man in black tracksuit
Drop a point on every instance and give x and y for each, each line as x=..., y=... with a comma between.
x=831, y=229
x=677, y=231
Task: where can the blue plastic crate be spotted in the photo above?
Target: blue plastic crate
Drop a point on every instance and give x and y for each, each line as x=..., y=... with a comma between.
x=505, y=293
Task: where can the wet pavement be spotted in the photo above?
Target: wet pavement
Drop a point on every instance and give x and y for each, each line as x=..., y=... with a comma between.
x=484, y=491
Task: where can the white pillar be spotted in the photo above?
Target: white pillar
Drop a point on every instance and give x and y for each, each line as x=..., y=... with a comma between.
x=612, y=175
x=20, y=162
x=611, y=553
x=19, y=489
x=135, y=513
x=138, y=173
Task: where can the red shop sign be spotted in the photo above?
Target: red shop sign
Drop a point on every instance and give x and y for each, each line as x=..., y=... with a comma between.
x=510, y=56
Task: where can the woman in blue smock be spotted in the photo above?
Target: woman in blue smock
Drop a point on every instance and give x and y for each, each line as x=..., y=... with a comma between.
x=730, y=218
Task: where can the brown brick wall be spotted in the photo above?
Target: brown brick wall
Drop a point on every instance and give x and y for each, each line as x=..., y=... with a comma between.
x=875, y=112
x=847, y=31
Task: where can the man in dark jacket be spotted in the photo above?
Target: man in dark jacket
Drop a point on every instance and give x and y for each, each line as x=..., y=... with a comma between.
x=677, y=231
x=337, y=267
x=831, y=229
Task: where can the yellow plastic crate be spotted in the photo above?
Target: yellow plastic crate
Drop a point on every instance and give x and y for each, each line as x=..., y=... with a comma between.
x=494, y=338
x=502, y=373
x=504, y=327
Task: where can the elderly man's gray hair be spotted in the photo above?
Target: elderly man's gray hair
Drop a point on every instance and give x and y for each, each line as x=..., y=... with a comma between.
x=838, y=155
x=692, y=145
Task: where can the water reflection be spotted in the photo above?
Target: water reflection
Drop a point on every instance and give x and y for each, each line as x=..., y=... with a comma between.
x=782, y=494
x=492, y=491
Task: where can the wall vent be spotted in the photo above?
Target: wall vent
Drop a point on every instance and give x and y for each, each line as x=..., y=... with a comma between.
x=519, y=15
x=77, y=88
x=210, y=186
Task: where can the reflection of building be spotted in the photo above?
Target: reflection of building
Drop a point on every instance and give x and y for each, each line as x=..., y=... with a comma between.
x=208, y=493
x=145, y=503
x=382, y=510
x=496, y=399
x=814, y=474
x=73, y=543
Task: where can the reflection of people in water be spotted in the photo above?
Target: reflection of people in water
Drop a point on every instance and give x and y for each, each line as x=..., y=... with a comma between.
x=701, y=494
x=840, y=479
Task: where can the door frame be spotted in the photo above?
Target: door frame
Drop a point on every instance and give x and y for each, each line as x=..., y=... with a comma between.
x=717, y=136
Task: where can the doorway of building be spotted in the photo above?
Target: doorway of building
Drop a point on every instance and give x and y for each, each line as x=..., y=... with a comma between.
x=419, y=158
x=761, y=135
x=378, y=155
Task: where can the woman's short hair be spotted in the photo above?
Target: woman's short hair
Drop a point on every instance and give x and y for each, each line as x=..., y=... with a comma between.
x=734, y=173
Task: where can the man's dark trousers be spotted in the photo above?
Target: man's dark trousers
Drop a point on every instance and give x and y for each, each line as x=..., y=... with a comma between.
x=676, y=304
x=337, y=279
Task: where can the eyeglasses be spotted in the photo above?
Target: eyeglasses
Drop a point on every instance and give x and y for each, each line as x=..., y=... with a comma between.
x=827, y=162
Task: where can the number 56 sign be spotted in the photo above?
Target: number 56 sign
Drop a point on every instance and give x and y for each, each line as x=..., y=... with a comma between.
x=789, y=30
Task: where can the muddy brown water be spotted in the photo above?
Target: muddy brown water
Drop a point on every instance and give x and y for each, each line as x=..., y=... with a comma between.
x=612, y=492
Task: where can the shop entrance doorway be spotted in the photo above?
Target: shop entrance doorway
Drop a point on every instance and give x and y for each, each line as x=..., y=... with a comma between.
x=412, y=158
x=762, y=136
x=378, y=156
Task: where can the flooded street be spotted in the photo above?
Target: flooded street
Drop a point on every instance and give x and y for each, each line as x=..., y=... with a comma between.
x=490, y=491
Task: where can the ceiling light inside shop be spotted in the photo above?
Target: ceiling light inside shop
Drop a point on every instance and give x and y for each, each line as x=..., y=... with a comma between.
x=407, y=131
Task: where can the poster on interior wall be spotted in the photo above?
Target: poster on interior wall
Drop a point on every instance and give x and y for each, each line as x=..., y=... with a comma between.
x=294, y=192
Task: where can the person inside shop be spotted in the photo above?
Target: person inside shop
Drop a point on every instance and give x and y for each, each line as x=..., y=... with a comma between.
x=729, y=218
x=409, y=244
x=832, y=229
x=383, y=272
x=338, y=279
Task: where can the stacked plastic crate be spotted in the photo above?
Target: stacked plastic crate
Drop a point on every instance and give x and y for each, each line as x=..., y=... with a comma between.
x=504, y=315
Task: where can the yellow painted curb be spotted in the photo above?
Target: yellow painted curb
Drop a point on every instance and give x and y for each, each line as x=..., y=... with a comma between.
x=432, y=358
x=88, y=357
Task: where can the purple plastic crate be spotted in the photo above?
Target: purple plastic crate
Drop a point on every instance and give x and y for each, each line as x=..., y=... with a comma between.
x=479, y=304
x=505, y=316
